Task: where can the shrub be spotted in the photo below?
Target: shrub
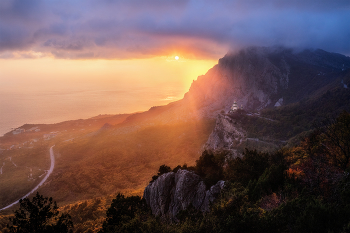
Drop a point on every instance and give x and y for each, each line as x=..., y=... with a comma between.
x=250, y=167
x=210, y=167
x=162, y=170
x=39, y=215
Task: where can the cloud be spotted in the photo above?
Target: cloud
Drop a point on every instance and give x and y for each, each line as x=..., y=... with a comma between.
x=123, y=29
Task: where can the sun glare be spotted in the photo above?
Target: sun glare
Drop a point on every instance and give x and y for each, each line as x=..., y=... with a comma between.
x=176, y=57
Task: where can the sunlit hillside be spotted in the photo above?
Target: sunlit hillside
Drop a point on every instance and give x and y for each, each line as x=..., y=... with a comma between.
x=94, y=162
x=25, y=158
x=108, y=161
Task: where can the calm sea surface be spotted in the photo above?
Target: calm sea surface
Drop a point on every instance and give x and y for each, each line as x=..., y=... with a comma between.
x=33, y=107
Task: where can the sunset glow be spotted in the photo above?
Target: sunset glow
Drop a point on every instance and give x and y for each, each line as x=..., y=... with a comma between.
x=131, y=48
x=174, y=116
x=53, y=74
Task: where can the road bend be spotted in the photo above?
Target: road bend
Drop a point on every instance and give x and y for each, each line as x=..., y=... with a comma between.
x=52, y=157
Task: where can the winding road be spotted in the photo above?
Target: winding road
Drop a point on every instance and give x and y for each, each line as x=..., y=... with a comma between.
x=52, y=157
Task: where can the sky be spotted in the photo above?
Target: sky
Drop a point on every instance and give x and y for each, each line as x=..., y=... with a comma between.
x=197, y=29
x=90, y=42
x=70, y=59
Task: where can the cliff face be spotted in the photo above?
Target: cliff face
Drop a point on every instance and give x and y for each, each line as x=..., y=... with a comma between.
x=259, y=77
x=173, y=192
x=249, y=77
x=227, y=135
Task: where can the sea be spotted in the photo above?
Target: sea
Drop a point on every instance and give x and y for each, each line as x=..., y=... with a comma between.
x=18, y=107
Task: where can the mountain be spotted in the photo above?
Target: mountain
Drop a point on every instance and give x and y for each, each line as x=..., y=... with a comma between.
x=95, y=160
x=257, y=78
x=274, y=85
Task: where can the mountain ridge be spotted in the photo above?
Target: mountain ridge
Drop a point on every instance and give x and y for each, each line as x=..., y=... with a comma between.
x=175, y=134
x=257, y=78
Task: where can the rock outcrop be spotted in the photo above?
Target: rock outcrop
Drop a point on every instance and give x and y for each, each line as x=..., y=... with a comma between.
x=173, y=192
x=227, y=135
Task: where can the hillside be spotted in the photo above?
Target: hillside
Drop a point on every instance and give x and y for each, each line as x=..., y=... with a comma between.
x=304, y=188
x=104, y=155
x=24, y=157
x=117, y=161
x=92, y=163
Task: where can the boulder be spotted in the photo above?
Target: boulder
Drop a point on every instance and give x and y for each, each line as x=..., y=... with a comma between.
x=173, y=192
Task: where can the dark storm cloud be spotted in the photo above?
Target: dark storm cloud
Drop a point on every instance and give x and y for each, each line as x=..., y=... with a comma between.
x=138, y=28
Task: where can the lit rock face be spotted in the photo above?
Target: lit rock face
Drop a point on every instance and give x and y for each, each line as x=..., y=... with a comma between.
x=173, y=192
x=226, y=136
x=255, y=78
x=249, y=77
x=259, y=77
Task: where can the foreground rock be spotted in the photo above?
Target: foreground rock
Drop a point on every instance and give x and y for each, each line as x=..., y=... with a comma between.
x=173, y=192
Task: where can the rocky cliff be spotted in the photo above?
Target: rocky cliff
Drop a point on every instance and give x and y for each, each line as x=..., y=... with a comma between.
x=227, y=135
x=173, y=192
x=259, y=77
x=230, y=135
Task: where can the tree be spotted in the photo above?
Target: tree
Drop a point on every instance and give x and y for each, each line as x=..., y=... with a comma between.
x=39, y=216
x=209, y=167
x=122, y=213
x=250, y=167
x=337, y=140
x=162, y=170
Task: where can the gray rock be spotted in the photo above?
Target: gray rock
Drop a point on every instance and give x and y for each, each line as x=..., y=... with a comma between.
x=212, y=194
x=226, y=136
x=171, y=193
x=157, y=194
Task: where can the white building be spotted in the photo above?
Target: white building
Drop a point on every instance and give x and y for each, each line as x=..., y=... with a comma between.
x=234, y=107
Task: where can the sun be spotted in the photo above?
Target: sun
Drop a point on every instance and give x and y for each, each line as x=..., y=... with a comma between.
x=176, y=57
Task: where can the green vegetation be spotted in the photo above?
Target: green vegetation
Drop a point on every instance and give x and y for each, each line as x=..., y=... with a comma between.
x=210, y=167
x=88, y=215
x=92, y=166
x=40, y=215
x=122, y=211
x=162, y=170
x=302, y=188
x=294, y=119
x=305, y=188
x=122, y=159
x=22, y=170
x=26, y=158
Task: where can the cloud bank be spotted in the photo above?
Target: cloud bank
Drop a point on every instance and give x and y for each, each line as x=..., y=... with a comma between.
x=127, y=29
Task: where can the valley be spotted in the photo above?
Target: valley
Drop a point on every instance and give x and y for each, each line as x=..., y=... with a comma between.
x=47, y=173
x=92, y=164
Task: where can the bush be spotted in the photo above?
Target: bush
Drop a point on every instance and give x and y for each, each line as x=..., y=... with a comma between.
x=270, y=181
x=130, y=214
x=39, y=215
x=210, y=167
x=162, y=170
x=308, y=214
x=250, y=167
